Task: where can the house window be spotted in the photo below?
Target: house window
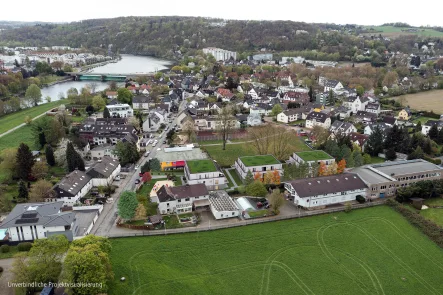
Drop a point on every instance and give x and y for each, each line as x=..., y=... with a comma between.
x=179, y=201
x=187, y=199
x=167, y=204
x=221, y=215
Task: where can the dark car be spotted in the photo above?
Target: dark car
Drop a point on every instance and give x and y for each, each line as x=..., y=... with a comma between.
x=137, y=181
x=164, y=141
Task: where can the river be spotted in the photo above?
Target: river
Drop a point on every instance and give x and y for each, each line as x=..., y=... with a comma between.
x=127, y=65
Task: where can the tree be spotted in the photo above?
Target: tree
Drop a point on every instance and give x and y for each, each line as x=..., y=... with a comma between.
x=106, y=113
x=22, y=192
x=126, y=152
x=332, y=168
x=40, y=190
x=390, y=79
x=267, y=178
x=418, y=127
x=276, y=109
x=276, y=200
x=367, y=159
x=416, y=154
x=275, y=179
x=155, y=164
x=188, y=128
x=322, y=169
x=360, y=90
x=127, y=205
x=87, y=264
x=25, y=161
x=347, y=156
x=320, y=135
x=145, y=167
x=249, y=178
x=390, y=154
x=375, y=142
x=140, y=212
x=89, y=110
x=134, y=122
x=358, y=159
x=124, y=95
x=225, y=123
x=146, y=177
x=33, y=94
x=256, y=189
x=297, y=171
x=98, y=102
x=433, y=132
x=74, y=160
x=8, y=163
x=341, y=166
x=39, y=170
x=48, y=98
x=49, y=152
x=28, y=120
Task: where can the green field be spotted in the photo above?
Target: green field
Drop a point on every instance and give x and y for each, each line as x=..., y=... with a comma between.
x=391, y=30
x=314, y=156
x=201, y=166
x=369, y=251
x=13, y=139
x=434, y=214
x=13, y=120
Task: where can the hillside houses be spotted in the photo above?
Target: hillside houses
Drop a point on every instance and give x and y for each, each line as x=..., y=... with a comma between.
x=342, y=128
x=318, y=119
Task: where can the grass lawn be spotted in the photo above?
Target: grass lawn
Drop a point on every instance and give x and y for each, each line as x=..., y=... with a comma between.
x=259, y=213
x=13, y=139
x=250, y=161
x=424, y=101
x=171, y=221
x=433, y=214
x=392, y=31
x=423, y=120
x=376, y=160
x=186, y=215
x=13, y=120
x=230, y=184
x=205, y=142
x=12, y=251
x=314, y=156
x=147, y=187
x=201, y=166
x=368, y=251
x=236, y=177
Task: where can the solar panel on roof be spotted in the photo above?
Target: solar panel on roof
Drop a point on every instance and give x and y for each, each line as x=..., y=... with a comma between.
x=29, y=215
x=27, y=220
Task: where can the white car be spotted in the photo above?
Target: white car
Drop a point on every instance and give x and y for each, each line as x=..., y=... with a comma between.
x=147, y=153
x=154, y=144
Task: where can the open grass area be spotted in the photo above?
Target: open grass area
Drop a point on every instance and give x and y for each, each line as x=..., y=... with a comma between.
x=201, y=166
x=392, y=31
x=368, y=251
x=423, y=120
x=13, y=120
x=424, y=101
x=13, y=139
x=259, y=213
x=236, y=177
x=250, y=161
x=314, y=156
x=377, y=160
x=433, y=214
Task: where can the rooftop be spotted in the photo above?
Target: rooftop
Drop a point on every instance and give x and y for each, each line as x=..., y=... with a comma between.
x=84, y=219
x=194, y=154
x=250, y=161
x=221, y=201
x=405, y=167
x=309, y=156
x=201, y=166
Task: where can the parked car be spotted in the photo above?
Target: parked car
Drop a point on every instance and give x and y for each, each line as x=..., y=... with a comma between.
x=146, y=153
x=164, y=141
x=137, y=181
x=110, y=200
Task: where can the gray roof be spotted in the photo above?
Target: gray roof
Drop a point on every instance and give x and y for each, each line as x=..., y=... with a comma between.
x=46, y=214
x=371, y=176
x=406, y=167
x=104, y=168
x=317, y=116
x=309, y=187
x=71, y=184
x=166, y=193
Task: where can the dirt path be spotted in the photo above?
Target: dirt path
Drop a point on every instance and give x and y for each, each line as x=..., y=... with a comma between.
x=6, y=277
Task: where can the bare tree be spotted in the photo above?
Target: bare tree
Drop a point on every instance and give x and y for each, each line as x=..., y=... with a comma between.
x=225, y=123
x=261, y=138
x=281, y=142
x=271, y=139
x=93, y=86
x=188, y=128
x=276, y=200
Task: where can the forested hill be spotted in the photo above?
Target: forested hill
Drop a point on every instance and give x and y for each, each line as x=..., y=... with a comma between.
x=162, y=36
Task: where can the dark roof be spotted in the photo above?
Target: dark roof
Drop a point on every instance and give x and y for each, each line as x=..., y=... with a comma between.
x=141, y=99
x=104, y=168
x=166, y=194
x=111, y=121
x=317, y=116
x=373, y=106
x=308, y=187
x=47, y=214
x=71, y=184
x=389, y=120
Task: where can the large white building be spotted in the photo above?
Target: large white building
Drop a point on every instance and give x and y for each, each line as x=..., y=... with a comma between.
x=222, y=205
x=220, y=54
x=181, y=199
x=327, y=190
x=258, y=164
x=205, y=171
x=120, y=110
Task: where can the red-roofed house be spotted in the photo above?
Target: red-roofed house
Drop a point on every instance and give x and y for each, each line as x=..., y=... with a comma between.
x=111, y=94
x=299, y=97
x=225, y=94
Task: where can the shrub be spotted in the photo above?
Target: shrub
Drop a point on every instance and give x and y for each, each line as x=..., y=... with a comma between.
x=348, y=207
x=360, y=199
x=24, y=247
x=4, y=249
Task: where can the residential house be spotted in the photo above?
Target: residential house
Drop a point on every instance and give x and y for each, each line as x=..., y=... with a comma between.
x=206, y=172
x=323, y=98
x=142, y=102
x=373, y=107
x=155, y=119
x=355, y=104
x=105, y=134
x=365, y=117
x=212, y=123
x=319, y=192
x=290, y=115
x=389, y=120
x=404, y=114
x=318, y=119
x=311, y=157
x=301, y=98
x=261, y=108
x=104, y=171
x=343, y=112
x=359, y=139
x=180, y=199
x=120, y=110
x=370, y=128
x=343, y=128
x=111, y=94
x=224, y=94
x=257, y=165
x=254, y=93
x=105, y=150
x=32, y=221
x=222, y=205
x=333, y=85
x=428, y=125
x=254, y=120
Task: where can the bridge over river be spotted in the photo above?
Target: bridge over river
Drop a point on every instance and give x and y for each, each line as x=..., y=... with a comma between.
x=104, y=77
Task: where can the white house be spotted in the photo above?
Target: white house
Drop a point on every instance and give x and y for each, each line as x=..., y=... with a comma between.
x=101, y=151
x=254, y=120
x=311, y=157
x=343, y=128
x=373, y=108
x=181, y=199
x=370, y=128
x=104, y=172
x=355, y=104
x=141, y=102
x=222, y=206
x=260, y=164
x=253, y=93
x=123, y=110
x=333, y=85
x=319, y=192
x=220, y=54
x=428, y=125
x=206, y=172
x=262, y=109
x=32, y=221
x=290, y=115
x=318, y=119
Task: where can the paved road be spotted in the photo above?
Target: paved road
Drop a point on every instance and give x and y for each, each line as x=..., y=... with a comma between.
x=105, y=224
x=6, y=276
x=21, y=125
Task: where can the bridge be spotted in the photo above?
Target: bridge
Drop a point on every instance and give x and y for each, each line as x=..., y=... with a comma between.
x=104, y=77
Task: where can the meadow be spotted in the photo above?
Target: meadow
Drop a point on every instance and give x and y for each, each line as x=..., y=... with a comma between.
x=367, y=251
x=425, y=101
x=13, y=139
x=391, y=31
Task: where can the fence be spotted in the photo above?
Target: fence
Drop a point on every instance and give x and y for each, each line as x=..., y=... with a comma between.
x=244, y=222
x=205, y=135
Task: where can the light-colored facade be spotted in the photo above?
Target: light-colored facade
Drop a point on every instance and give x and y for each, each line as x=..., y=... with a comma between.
x=122, y=110
x=213, y=180
x=222, y=206
x=242, y=167
x=305, y=157
x=318, y=119
x=181, y=199
x=220, y=54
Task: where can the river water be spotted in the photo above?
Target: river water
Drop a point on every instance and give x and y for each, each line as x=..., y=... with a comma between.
x=129, y=64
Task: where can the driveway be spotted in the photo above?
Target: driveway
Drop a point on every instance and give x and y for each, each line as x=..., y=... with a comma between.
x=6, y=276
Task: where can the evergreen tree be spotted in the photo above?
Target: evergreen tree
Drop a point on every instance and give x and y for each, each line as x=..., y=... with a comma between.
x=375, y=142
x=25, y=161
x=79, y=163
x=249, y=178
x=439, y=138
x=311, y=94
x=73, y=159
x=433, y=132
x=106, y=113
x=348, y=157
x=49, y=155
x=418, y=127
x=390, y=154
x=416, y=154
x=358, y=159
x=22, y=192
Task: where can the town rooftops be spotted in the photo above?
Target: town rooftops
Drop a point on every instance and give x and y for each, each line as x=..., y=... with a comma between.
x=46, y=214
x=250, y=161
x=318, y=155
x=389, y=120
x=71, y=184
x=185, y=155
x=104, y=168
x=166, y=193
x=201, y=166
x=317, y=116
x=308, y=187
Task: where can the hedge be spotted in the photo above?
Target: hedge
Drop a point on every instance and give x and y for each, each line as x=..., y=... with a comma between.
x=427, y=227
x=436, y=161
x=4, y=249
x=24, y=247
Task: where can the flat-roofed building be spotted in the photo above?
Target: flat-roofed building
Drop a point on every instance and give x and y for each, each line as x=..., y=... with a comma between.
x=176, y=157
x=258, y=164
x=207, y=172
x=222, y=205
x=311, y=157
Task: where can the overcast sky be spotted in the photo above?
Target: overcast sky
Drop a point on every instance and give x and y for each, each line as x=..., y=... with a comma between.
x=374, y=12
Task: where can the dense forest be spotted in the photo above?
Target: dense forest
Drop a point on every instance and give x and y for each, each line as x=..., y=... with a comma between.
x=174, y=36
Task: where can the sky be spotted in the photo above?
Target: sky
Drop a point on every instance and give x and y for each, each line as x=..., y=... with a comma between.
x=374, y=12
